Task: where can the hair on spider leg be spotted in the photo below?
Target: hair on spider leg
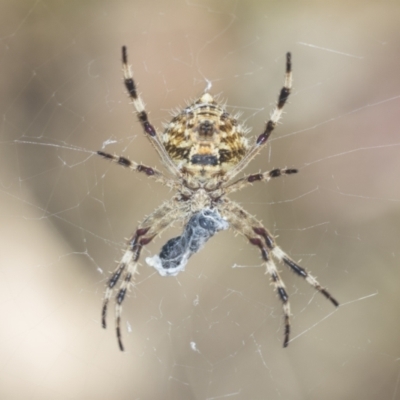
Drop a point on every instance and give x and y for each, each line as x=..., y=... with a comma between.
x=175, y=254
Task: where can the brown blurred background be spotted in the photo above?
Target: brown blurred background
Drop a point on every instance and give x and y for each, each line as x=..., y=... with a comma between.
x=213, y=331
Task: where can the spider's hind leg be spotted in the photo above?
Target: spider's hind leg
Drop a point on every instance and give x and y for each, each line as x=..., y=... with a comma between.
x=270, y=125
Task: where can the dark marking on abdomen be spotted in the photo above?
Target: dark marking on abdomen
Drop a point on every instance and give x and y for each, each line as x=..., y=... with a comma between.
x=204, y=159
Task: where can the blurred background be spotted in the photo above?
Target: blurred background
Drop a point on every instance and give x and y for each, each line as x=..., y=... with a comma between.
x=213, y=331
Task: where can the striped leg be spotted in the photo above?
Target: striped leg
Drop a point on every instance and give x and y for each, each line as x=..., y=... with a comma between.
x=278, y=253
x=271, y=123
x=262, y=177
x=278, y=285
x=138, y=103
x=242, y=222
x=134, y=166
x=152, y=226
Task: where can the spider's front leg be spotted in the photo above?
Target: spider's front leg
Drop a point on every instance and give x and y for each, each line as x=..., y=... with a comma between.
x=244, y=223
x=152, y=226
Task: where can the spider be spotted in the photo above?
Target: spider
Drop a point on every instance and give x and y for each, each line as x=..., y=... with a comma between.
x=203, y=148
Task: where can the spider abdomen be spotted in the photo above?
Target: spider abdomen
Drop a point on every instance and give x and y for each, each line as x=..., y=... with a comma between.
x=204, y=139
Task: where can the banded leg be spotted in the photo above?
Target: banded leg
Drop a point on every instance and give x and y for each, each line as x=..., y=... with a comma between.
x=271, y=123
x=152, y=226
x=262, y=177
x=150, y=172
x=278, y=253
x=242, y=222
x=138, y=103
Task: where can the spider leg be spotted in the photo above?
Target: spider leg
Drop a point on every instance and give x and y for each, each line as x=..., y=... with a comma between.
x=152, y=226
x=278, y=253
x=242, y=222
x=150, y=172
x=261, y=177
x=138, y=103
x=270, y=124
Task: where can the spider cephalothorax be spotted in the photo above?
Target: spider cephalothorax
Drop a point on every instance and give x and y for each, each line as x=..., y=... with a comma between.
x=203, y=148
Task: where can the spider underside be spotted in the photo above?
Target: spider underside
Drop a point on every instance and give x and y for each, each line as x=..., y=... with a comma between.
x=203, y=148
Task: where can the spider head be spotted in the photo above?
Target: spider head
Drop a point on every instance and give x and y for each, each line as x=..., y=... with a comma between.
x=204, y=139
